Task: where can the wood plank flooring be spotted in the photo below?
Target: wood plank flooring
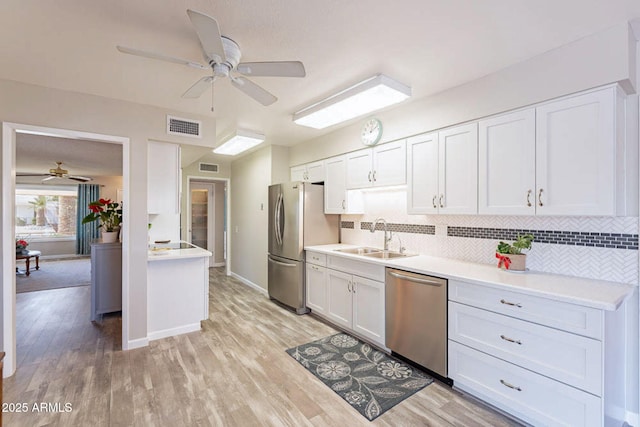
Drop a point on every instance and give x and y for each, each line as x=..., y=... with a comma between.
x=234, y=372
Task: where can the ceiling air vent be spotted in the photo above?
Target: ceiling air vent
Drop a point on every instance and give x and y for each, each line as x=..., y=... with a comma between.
x=183, y=127
x=209, y=167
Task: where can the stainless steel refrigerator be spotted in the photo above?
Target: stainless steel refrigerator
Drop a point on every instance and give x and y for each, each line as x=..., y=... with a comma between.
x=296, y=220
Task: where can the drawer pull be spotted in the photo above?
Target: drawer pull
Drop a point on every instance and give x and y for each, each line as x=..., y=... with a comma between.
x=515, y=304
x=511, y=340
x=506, y=384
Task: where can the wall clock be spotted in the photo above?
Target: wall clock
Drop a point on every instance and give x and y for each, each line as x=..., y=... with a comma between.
x=371, y=132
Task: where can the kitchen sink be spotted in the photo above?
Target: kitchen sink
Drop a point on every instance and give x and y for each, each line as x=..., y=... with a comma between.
x=388, y=254
x=360, y=251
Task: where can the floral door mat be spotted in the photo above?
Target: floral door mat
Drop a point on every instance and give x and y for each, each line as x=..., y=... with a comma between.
x=368, y=379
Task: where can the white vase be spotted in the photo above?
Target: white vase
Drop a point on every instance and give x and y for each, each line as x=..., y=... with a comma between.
x=109, y=236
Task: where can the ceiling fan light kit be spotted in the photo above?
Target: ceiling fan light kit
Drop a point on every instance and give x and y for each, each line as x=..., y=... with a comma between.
x=239, y=141
x=223, y=60
x=362, y=98
x=57, y=173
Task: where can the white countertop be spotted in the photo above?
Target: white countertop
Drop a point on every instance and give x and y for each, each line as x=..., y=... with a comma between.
x=598, y=294
x=164, y=252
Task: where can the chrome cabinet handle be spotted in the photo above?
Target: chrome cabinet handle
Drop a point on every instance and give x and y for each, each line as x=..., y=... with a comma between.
x=515, y=304
x=506, y=384
x=540, y=197
x=374, y=176
x=349, y=286
x=511, y=340
x=433, y=201
x=440, y=200
x=344, y=204
x=369, y=176
x=353, y=287
x=529, y=198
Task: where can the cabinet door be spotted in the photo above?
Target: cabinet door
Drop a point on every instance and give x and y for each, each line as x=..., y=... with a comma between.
x=422, y=174
x=368, y=309
x=339, y=308
x=163, y=178
x=506, y=164
x=315, y=171
x=359, y=173
x=299, y=173
x=458, y=170
x=575, y=155
x=335, y=189
x=390, y=164
x=316, y=288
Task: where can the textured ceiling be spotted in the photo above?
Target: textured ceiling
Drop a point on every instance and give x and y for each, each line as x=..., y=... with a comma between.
x=429, y=45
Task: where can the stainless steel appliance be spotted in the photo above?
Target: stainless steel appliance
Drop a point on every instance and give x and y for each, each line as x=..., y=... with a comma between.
x=416, y=318
x=296, y=220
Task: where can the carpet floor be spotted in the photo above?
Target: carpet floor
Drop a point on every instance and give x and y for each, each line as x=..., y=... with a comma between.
x=369, y=380
x=54, y=274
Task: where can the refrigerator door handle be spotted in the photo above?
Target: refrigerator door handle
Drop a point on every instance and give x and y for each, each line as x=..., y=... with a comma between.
x=276, y=224
x=280, y=207
x=284, y=264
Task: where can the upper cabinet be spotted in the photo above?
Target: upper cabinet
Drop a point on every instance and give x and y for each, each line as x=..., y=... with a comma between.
x=310, y=172
x=379, y=166
x=561, y=158
x=337, y=200
x=442, y=169
x=506, y=164
x=163, y=178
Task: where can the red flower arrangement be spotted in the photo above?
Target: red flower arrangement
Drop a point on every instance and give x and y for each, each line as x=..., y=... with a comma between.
x=21, y=244
x=109, y=213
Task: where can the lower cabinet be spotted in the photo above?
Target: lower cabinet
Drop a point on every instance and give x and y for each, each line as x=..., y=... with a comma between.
x=348, y=300
x=106, y=278
x=541, y=360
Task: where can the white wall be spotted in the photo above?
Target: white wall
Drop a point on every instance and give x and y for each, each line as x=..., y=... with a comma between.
x=35, y=105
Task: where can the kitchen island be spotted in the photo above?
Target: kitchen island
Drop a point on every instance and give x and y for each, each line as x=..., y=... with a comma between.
x=177, y=289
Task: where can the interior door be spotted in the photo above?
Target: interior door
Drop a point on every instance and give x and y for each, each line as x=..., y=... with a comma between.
x=201, y=230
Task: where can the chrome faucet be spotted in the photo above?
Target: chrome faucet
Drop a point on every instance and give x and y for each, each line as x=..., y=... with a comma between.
x=387, y=234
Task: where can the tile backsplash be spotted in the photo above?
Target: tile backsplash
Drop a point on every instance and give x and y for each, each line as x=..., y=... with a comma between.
x=593, y=247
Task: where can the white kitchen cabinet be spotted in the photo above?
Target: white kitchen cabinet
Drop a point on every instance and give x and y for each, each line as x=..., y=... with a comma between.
x=316, y=282
x=354, y=294
x=337, y=199
x=576, y=148
x=310, y=172
x=163, y=178
x=544, y=361
x=506, y=164
x=422, y=174
x=442, y=171
x=380, y=166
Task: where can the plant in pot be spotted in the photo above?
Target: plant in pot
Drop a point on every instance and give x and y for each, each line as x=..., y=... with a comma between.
x=110, y=215
x=510, y=255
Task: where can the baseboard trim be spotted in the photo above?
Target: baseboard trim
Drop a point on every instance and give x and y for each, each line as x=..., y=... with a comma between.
x=248, y=283
x=218, y=264
x=173, y=331
x=140, y=342
x=632, y=418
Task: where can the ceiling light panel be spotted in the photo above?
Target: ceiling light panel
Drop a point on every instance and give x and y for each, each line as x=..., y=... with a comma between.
x=240, y=141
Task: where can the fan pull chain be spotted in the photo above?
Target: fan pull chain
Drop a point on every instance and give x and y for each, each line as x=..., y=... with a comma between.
x=212, y=93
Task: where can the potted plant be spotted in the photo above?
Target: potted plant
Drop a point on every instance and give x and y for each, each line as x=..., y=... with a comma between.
x=510, y=255
x=21, y=245
x=110, y=215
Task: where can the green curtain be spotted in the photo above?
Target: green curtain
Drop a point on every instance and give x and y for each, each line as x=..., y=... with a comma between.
x=86, y=233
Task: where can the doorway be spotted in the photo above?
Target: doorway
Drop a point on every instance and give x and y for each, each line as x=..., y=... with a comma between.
x=206, y=217
x=9, y=131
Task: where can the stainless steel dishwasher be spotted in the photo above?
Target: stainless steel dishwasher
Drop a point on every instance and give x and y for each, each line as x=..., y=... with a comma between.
x=416, y=318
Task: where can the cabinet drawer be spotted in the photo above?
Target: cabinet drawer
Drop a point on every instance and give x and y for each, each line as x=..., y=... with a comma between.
x=316, y=258
x=536, y=399
x=574, y=318
x=359, y=268
x=566, y=357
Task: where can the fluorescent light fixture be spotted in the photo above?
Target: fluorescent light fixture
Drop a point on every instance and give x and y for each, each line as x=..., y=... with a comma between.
x=365, y=97
x=240, y=141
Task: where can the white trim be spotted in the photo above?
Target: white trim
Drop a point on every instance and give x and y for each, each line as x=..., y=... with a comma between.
x=173, y=331
x=249, y=283
x=218, y=264
x=9, y=131
x=140, y=342
x=632, y=418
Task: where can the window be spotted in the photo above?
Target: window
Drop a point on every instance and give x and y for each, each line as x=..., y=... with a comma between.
x=46, y=212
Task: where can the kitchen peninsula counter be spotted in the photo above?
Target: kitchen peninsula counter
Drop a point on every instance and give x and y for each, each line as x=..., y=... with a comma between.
x=177, y=289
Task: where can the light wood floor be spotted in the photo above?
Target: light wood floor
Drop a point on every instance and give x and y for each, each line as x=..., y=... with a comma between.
x=234, y=372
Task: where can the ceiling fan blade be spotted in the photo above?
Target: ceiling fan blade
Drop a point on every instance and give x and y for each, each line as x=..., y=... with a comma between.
x=161, y=57
x=209, y=35
x=272, y=69
x=253, y=90
x=79, y=178
x=198, y=88
x=49, y=178
x=33, y=174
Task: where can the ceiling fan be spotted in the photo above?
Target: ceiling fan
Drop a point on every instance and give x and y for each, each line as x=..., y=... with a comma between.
x=223, y=58
x=58, y=172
